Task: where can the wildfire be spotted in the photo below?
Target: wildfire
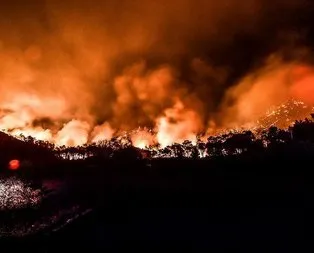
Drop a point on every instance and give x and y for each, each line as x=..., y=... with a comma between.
x=143, y=138
x=176, y=125
x=91, y=72
x=152, y=105
x=42, y=120
x=143, y=99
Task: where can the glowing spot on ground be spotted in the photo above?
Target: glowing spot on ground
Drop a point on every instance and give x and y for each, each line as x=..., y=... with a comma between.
x=14, y=164
x=16, y=194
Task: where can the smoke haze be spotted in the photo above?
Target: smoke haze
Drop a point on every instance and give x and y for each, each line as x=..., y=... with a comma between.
x=92, y=69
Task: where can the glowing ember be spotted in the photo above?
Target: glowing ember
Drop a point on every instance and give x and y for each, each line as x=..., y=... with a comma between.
x=14, y=164
x=15, y=194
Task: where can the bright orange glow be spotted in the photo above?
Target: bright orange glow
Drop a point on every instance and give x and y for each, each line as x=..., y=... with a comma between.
x=174, y=122
x=14, y=164
x=143, y=139
x=303, y=84
x=171, y=68
x=177, y=125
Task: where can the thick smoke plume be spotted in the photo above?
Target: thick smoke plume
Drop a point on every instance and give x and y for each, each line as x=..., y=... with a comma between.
x=74, y=72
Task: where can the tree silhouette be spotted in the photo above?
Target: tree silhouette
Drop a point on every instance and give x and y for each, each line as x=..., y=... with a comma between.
x=239, y=142
x=303, y=130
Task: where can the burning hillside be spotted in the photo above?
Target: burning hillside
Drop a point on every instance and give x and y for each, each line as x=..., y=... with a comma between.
x=144, y=143
x=285, y=115
x=159, y=71
x=146, y=118
x=170, y=131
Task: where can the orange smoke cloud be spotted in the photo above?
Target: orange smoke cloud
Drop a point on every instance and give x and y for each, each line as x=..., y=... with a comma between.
x=274, y=83
x=142, y=95
x=303, y=83
x=75, y=72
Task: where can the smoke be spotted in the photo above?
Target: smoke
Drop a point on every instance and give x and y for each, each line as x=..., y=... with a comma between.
x=274, y=83
x=92, y=70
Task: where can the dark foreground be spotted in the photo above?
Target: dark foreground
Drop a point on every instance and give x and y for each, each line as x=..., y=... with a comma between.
x=256, y=204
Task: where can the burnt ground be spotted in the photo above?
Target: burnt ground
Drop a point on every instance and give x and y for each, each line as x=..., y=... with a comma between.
x=243, y=202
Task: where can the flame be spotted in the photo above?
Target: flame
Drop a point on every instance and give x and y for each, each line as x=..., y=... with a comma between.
x=102, y=133
x=177, y=125
x=74, y=133
x=37, y=133
x=73, y=75
x=47, y=118
x=143, y=138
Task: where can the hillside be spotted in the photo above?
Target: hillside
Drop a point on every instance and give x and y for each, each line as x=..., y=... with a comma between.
x=284, y=115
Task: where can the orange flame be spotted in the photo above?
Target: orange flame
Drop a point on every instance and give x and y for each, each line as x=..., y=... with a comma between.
x=78, y=74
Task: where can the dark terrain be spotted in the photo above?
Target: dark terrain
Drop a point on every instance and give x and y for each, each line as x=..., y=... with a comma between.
x=253, y=201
